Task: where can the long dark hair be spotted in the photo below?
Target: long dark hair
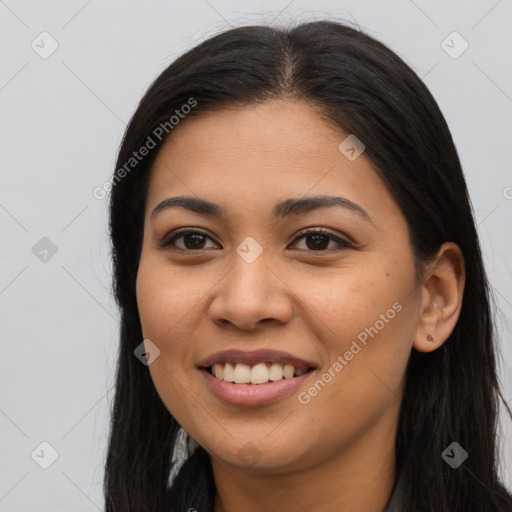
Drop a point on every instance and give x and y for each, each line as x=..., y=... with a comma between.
x=451, y=394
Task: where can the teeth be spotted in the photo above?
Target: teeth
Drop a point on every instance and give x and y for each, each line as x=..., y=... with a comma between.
x=242, y=373
x=288, y=371
x=229, y=373
x=260, y=373
x=218, y=370
x=275, y=372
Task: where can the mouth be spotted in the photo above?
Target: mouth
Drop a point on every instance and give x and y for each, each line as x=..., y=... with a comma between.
x=255, y=377
x=245, y=385
x=257, y=374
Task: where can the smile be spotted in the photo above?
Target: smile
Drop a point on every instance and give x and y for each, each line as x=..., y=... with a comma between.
x=255, y=377
x=249, y=394
x=260, y=373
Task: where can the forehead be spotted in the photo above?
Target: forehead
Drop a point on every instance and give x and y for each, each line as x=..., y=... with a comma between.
x=254, y=155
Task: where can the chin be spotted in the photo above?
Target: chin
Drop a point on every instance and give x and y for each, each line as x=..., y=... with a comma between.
x=259, y=457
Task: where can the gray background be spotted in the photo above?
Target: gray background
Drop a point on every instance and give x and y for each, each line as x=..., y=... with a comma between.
x=62, y=119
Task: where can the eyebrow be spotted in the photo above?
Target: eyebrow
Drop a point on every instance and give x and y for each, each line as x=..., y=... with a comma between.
x=280, y=210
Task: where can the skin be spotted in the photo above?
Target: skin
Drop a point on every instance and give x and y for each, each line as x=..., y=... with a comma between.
x=337, y=451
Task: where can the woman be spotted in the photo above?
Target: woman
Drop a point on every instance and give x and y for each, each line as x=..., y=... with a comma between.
x=301, y=288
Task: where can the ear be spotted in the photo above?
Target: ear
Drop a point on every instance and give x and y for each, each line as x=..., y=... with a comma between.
x=441, y=298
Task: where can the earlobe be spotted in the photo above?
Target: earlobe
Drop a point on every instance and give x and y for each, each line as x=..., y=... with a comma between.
x=441, y=298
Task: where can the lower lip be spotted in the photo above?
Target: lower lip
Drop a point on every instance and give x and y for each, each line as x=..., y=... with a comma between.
x=254, y=394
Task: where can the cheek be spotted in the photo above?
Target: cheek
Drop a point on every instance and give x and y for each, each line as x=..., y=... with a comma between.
x=364, y=318
x=165, y=303
x=364, y=327
x=348, y=301
x=165, y=300
x=163, y=311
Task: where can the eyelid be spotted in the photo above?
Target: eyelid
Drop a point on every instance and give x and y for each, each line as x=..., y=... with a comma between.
x=169, y=239
x=343, y=242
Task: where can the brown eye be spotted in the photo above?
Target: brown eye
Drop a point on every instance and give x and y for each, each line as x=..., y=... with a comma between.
x=319, y=240
x=192, y=240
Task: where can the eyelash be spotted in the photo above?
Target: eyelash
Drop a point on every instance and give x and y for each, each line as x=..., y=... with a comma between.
x=168, y=243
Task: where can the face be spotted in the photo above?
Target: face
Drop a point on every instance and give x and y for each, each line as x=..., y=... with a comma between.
x=327, y=287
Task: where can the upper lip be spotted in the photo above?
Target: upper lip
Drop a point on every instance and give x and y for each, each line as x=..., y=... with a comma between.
x=252, y=357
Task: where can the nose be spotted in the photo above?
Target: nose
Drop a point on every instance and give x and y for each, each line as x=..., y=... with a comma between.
x=249, y=295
